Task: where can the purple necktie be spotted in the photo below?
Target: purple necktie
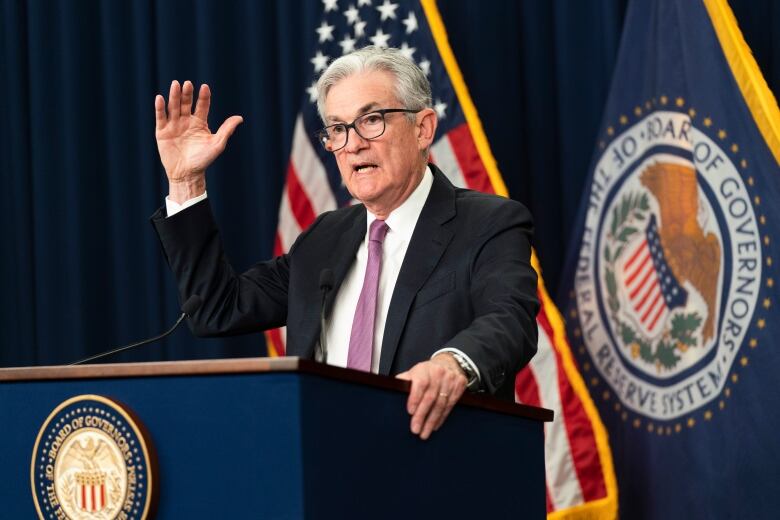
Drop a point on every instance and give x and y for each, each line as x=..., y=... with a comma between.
x=361, y=342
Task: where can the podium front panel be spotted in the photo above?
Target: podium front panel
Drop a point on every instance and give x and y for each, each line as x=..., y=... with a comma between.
x=287, y=444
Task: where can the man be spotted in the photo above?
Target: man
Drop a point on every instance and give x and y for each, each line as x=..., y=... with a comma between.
x=431, y=283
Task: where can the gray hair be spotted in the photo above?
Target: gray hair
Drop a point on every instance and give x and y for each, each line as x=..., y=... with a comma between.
x=412, y=88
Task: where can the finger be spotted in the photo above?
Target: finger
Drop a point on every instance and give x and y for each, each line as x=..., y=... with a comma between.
x=227, y=129
x=406, y=376
x=159, y=112
x=186, y=98
x=174, y=101
x=204, y=102
x=420, y=383
x=454, y=396
x=424, y=409
x=451, y=388
x=437, y=409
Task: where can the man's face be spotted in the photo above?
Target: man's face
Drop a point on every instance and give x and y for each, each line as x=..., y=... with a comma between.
x=384, y=171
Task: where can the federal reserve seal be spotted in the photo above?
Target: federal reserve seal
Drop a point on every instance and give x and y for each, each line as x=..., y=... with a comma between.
x=90, y=461
x=670, y=266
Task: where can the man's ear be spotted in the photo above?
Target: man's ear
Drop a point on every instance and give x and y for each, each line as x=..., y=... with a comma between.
x=426, y=127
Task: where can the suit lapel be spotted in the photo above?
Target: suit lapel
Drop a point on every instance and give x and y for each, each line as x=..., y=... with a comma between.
x=343, y=255
x=429, y=241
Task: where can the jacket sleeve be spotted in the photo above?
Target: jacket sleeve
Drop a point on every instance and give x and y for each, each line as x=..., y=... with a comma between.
x=232, y=303
x=502, y=337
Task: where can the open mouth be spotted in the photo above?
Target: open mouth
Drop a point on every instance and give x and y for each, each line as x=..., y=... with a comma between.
x=364, y=168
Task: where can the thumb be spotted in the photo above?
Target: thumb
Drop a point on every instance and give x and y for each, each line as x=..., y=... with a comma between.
x=227, y=128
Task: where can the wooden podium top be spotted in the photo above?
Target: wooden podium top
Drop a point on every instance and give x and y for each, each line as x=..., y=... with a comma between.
x=254, y=365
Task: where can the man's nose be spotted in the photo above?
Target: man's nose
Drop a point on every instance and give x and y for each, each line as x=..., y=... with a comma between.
x=354, y=141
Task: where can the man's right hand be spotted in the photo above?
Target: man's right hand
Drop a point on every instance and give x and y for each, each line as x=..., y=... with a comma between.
x=186, y=145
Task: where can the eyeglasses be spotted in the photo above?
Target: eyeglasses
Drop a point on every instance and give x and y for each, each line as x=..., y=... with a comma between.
x=368, y=126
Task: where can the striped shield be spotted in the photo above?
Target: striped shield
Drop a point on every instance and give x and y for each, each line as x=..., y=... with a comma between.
x=649, y=283
x=91, y=491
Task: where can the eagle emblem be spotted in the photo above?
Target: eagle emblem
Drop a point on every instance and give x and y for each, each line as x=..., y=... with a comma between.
x=91, y=461
x=669, y=267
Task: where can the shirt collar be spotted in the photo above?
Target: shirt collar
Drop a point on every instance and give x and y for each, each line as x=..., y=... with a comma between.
x=403, y=219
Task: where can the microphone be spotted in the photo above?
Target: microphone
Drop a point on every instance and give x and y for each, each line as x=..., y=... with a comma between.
x=326, y=284
x=192, y=304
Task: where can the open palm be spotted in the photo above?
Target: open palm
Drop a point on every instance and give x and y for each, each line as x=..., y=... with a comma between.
x=186, y=145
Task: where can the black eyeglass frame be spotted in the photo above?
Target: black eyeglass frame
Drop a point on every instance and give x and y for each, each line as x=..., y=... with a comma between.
x=322, y=134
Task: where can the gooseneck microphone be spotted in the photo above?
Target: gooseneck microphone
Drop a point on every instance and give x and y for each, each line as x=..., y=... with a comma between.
x=326, y=284
x=192, y=304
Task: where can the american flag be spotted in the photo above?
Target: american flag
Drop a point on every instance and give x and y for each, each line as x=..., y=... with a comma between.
x=651, y=286
x=579, y=467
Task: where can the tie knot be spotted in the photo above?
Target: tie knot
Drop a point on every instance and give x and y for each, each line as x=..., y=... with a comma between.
x=377, y=231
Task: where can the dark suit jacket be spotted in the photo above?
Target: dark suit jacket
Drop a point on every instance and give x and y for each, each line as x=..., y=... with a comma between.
x=466, y=282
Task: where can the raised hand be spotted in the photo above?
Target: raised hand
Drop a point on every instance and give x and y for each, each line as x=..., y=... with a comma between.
x=186, y=145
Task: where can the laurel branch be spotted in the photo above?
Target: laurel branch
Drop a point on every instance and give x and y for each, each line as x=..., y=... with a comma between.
x=67, y=487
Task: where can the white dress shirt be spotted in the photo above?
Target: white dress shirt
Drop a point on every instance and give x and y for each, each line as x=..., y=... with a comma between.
x=338, y=328
x=401, y=223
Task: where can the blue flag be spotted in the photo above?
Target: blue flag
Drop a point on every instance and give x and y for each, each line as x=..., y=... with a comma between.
x=669, y=290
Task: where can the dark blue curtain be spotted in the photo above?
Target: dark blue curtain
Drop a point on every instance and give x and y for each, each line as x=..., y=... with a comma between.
x=81, y=269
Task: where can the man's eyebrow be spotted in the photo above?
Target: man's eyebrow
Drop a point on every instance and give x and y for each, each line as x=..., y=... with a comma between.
x=362, y=110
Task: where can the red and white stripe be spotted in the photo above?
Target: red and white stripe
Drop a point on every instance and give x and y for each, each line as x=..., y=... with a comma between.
x=91, y=497
x=457, y=156
x=307, y=193
x=574, y=472
x=443, y=156
x=643, y=287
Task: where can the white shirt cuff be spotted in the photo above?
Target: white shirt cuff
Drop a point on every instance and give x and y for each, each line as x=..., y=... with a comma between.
x=172, y=208
x=468, y=359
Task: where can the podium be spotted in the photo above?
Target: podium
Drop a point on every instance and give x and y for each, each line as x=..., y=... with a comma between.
x=286, y=438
